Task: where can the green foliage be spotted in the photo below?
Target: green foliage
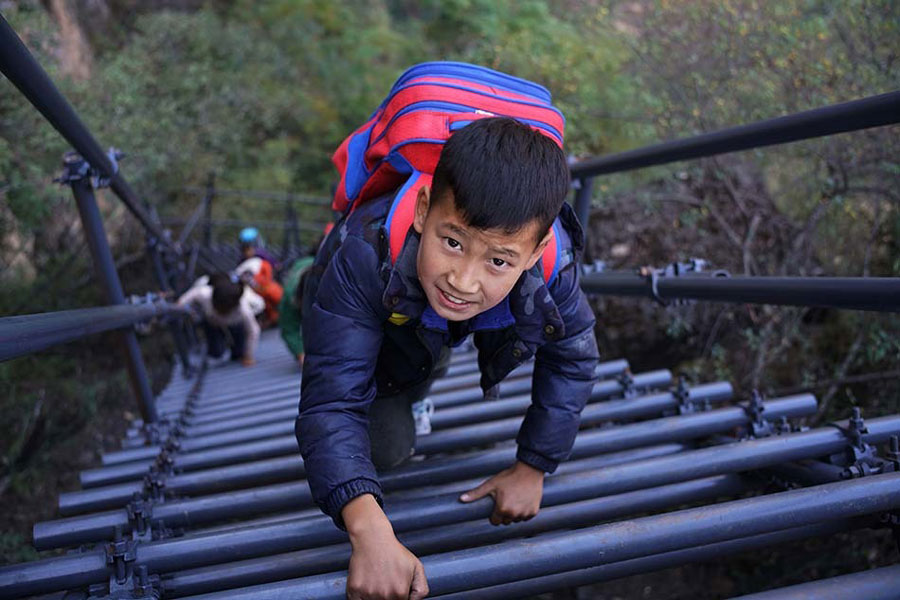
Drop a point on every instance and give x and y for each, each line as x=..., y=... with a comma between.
x=883, y=345
x=262, y=93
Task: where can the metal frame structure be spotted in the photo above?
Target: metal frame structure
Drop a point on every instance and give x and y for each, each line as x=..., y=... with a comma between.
x=208, y=492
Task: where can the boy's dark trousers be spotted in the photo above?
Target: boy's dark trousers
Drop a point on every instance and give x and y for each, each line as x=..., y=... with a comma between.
x=217, y=340
x=392, y=429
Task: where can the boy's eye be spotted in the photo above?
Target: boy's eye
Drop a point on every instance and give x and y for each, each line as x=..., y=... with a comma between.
x=498, y=262
x=451, y=243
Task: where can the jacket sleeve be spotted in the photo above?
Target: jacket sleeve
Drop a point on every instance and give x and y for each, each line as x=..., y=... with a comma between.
x=343, y=334
x=289, y=324
x=562, y=380
x=288, y=314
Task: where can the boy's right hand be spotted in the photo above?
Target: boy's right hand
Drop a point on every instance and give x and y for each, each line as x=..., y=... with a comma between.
x=380, y=566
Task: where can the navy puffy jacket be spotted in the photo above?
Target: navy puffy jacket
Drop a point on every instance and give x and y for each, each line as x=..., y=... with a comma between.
x=356, y=350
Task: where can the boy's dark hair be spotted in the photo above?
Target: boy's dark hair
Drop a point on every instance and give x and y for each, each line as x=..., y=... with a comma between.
x=226, y=293
x=503, y=175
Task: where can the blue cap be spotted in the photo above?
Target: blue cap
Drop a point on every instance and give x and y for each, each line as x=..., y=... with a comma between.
x=248, y=235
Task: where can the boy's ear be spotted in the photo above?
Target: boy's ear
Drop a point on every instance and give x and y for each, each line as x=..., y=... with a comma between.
x=539, y=249
x=423, y=201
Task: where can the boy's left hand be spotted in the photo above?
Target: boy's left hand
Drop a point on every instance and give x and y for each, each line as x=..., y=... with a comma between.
x=516, y=492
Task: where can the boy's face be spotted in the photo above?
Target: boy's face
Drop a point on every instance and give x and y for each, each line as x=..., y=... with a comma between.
x=463, y=270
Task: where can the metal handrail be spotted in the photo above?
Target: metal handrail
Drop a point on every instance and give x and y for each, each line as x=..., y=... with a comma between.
x=855, y=293
x=860, y=293
x=865, y=113
x=20, y=67
x=25, y=334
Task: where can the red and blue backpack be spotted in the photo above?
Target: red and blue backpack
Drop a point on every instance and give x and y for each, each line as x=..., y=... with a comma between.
x=399, y=146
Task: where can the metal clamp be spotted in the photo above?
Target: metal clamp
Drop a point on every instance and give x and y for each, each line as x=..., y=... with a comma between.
x=627, y=382
x=139, y=585
x=682, y=394
x=120, y=553
x=76, y=168
x=784, y=426
x=676, y=269
x=154, y=488
x=859, y=458
x=159, y=433
x=597, y=266
x=140, y=510
x=758, y=426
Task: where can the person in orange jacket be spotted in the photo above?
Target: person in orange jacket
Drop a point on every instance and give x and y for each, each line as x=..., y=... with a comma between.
x=258, y=272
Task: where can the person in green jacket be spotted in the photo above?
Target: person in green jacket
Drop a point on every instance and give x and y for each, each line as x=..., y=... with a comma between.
x=289, y=308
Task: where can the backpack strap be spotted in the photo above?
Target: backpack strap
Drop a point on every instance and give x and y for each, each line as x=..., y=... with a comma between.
x=403, y=210
x=551, y=259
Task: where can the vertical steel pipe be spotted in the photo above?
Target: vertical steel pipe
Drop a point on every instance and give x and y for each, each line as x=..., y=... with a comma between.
x=112, y=288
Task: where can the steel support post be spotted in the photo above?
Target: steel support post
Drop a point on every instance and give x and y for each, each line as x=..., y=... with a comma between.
x=560, y=552
x=650, y=472
x=108, y=278
x=583, y=200
x=191, y=223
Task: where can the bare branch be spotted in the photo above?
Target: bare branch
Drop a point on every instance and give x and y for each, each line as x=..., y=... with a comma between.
x=749, y=261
